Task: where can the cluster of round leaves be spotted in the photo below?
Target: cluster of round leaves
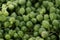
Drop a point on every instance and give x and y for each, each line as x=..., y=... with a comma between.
x=29, y=20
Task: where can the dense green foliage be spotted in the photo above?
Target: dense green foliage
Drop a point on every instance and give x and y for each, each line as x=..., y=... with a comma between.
x=29, y=19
